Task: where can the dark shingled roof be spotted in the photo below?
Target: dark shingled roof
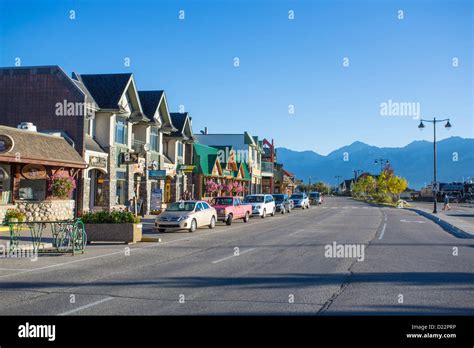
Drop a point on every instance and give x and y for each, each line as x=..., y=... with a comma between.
x=150, y=101
x=178, y=119
x=33, y=146
x=92, y=145
x=106, y=89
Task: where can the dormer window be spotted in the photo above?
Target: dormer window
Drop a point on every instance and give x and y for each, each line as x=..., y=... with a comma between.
x=129, y=105
x=154, y=139
x=121, y=130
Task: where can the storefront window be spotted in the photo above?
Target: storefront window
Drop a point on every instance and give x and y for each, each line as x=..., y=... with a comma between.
x=5, y=185
x=122, y=188
x=99, y=187
x=32, y=190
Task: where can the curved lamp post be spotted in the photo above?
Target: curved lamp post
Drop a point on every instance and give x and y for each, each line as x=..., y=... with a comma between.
x=381, y=161
x=421, y=126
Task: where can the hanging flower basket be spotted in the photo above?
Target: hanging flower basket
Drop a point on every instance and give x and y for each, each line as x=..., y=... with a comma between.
x=61, y=186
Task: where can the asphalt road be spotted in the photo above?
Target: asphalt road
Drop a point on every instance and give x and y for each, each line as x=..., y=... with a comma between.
x=407, y=267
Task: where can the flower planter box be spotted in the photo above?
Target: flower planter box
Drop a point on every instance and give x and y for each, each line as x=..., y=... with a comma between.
x=125, y=233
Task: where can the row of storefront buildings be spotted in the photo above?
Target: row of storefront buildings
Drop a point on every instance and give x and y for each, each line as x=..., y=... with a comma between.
x=118, y=144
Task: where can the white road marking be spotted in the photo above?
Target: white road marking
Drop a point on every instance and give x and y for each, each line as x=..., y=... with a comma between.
x=231, y=256
x=296, y=232
x=418, y=222
x=87, y=306
x=384, y=225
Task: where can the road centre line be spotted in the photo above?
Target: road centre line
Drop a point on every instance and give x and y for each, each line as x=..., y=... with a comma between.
x=140, y=248
x=231, y=256
x=87, y=306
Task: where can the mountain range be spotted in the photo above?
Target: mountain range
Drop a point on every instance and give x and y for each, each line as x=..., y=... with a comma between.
x=455, y=160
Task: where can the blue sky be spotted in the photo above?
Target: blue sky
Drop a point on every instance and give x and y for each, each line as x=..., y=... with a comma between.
x=282, y=61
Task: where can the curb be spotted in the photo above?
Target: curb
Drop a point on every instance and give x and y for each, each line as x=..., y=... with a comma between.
x=451, y=229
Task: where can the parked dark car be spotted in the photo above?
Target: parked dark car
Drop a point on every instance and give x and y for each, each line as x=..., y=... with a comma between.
x=454, y=197
x=468, y=198
x=283, y=203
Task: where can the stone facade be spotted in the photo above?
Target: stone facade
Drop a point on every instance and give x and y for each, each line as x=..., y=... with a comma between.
x=43, y=211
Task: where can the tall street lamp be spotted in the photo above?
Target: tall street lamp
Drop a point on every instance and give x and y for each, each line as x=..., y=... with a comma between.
x=381, y=161
x=421, y=126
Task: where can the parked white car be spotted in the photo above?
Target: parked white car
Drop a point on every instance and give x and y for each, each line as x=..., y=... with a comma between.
x=262, y=205
x=300, y=200
x=186, y=215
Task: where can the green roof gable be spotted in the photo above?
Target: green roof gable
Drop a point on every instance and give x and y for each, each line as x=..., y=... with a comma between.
x=204, y=158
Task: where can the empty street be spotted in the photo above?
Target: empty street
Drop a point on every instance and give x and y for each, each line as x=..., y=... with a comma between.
x=272, y=266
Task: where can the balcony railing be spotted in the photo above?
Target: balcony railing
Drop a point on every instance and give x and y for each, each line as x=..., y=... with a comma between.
x=137, y=146
x=267, y=167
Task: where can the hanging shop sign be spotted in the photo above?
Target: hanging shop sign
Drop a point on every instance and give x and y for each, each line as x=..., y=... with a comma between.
x=130, y=158
x=6, y=143
x=98, y=162
x=34, y=171
x=157, y=174
x=139, y=168
x=153, y=165
x=186, y=168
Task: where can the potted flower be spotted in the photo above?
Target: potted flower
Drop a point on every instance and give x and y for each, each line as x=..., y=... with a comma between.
x=61, y=186
x=240, y=188
x=211, y=186
x=14, y=216
x=229, y=188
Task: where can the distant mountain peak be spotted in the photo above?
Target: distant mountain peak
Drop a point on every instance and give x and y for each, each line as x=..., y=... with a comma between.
x=413, y=161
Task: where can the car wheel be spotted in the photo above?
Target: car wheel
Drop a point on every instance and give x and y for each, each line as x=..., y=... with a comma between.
x=193, y=226
x=246, y=217
x=228, y=222
x=161, y=230
x=273, y=212
x=264, y=214
x=213, y=223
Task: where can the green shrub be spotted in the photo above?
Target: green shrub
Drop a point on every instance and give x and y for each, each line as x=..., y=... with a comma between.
x=109, y=217
x=14, y=214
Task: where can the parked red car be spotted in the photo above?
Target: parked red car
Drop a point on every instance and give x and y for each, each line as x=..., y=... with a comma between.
x=230, y=208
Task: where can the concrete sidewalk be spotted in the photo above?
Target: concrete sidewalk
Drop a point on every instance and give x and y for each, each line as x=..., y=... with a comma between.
x=461, y=228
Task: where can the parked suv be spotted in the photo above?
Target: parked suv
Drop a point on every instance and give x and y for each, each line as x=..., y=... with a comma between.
x=261, y=205
x=315, y=198
x=300, y=200
x=230, y=208
x=282, y=203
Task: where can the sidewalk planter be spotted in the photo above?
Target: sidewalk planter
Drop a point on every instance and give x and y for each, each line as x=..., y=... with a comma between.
x=112, y=226
x=124, y=232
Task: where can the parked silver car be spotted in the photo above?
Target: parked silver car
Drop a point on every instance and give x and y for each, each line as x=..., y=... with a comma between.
x=188, y=215
x=300, y=200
